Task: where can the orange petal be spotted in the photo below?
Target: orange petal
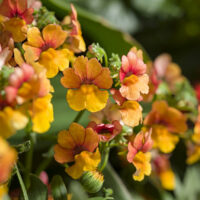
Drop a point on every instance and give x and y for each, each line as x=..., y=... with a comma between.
x=93, y=69
x=63, y=155
x=70, y=79
x=34, y=51
x=91, y=139
x=66, y=140
x=53, y=35
x=34, y=37
x=80, y=67
x=104, y=80
x=78, y=133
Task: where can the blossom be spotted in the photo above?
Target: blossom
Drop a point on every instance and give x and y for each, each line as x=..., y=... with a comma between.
x=43, y=47
x=166, y=123
x=17, y=16
x=193, y=153
x=142, y=142
x=8, y=157
x=164, y=171
x=78, y=145
x=74, y=41
x=106, y=132
x=132, y=76
x=84, y=82
x=131, y=111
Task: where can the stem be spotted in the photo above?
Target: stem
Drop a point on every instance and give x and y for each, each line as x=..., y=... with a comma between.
x=78, y=116
x=45, y=163
x=105, y=59
x=105, y=159
x=29, y=159
x=21, y=183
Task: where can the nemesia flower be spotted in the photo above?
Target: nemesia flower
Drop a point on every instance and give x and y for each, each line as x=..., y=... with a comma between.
x=84, y=82
x=132, y=75
x=43, y=48
x=142, y=142
x=197, y=90
x=166, y=123
x=8, y=157
x=17, y=16
x=131, y=111
x=139, y=156
x=3, y=191
x=164, y=171
x=106, y=132
x=78, y=145
x=196, y=135
x=193, y=153
x=75, y=41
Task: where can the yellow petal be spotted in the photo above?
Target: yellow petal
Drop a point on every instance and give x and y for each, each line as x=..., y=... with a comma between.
x=167, y=179
x=85, y=161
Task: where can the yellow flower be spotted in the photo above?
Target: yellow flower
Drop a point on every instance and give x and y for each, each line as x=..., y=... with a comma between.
x=3, y=191
x=193, y=155
x=42, y=113
x=84, y=82
x=142, y=164
x=11, y=120
x=8, y=157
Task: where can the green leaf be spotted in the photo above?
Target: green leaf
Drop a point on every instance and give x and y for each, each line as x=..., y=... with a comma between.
x=37, y=189
x=77, y=191
x=97, y=198
x=59, y=191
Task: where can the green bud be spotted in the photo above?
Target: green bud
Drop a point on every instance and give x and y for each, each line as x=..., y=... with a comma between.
x=96, y=51
x=5, y=72
x=92, y=181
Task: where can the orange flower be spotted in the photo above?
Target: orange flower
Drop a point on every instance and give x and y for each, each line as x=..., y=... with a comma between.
x=166, y=122
x=78, y=145
x=84, y=82
x=43, y=48
x=132, y=75
x=8, y=157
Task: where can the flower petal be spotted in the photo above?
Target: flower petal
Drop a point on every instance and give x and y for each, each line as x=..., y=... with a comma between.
x=78, y=133
x=80, y=67
x=104, y=81
x=63, y=155
x=53, y=35
x=66, y=140
x=93, y=68
x=70, y=79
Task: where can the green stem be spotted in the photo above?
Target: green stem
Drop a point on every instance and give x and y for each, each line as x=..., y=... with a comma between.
x=78, y=116
x=21, y=183
x=29, y=159
x=105, y=59
x=105, y=158
x=45, y=163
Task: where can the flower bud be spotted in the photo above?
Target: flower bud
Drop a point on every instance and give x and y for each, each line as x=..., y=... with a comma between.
x=92, y=181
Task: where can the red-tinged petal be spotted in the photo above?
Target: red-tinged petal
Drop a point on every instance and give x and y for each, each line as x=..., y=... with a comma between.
x=104, y=81
x=28, y=15
x=63, y=155
x=21, y=6
x=70, y=79
x=35, y=52
x=53, y=35
x=131, y=152
x=125, y=64
x=6, y=8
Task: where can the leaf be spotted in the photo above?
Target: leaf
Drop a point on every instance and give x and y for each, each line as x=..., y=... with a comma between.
x=37, y=189
x=58, y=188
x=97, y=198
x=77, y=191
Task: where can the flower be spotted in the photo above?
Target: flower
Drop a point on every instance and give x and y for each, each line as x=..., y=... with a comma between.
x=78, y=145
x=8, y=156
x=17, y=16
x=132, y=76
x=84, y=82
x=142, y=164
x=166, y=123
x=43, y=48
x=142, y=142
x=75, y=41
x=106, y=132
x=164, y=171
x=131, y=111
